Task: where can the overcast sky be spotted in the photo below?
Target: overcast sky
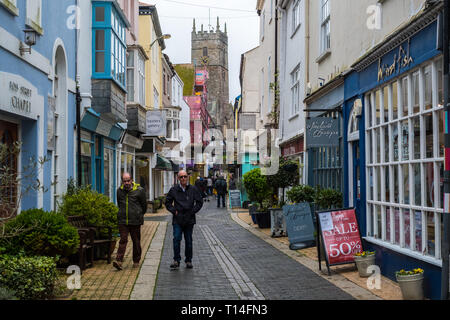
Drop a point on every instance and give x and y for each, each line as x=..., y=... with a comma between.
x=176, y=17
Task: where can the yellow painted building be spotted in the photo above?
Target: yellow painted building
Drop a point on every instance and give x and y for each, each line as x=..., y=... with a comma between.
x=152, y=40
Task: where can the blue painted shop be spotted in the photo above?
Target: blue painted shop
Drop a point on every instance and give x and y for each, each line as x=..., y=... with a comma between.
x=394, y=149
x=37, y=96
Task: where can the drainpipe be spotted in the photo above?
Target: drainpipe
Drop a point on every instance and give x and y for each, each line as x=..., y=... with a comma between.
x=277, y=85
x=78, y=98
x=446, y=221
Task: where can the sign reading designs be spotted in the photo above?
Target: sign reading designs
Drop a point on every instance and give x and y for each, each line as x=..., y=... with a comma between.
x=156, y=123
x=322, y=132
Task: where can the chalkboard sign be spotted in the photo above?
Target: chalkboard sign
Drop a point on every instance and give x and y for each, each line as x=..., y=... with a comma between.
x=340, y=237
x=235, y=198
x=299, y=225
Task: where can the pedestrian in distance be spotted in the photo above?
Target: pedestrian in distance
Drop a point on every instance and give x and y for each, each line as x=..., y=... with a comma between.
x=183, y=201
x=221, y=187
x=132, y=203
x=210, y=186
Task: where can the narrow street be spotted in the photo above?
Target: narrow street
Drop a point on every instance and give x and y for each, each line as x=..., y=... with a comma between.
x=231, y=263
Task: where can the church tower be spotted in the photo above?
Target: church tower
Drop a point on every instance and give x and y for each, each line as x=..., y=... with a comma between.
x=210, y=51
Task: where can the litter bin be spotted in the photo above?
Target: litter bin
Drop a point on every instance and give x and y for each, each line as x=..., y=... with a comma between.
x=278, y=223
x=299, y=225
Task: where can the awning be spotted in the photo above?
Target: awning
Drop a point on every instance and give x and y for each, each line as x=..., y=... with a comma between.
x=162, y=163
x=175, y=167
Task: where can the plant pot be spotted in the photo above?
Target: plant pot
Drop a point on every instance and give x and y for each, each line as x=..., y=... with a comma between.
x=263, y=219
x=362, y=263
x=277, y=222
x=411, y=286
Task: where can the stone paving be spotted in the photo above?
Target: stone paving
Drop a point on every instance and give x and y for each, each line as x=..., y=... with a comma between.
x=233, y=259
x=242, y=266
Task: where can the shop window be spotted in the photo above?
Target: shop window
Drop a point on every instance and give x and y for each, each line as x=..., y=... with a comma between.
x=412, y=177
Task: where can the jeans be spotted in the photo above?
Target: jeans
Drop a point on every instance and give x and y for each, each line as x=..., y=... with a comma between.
x=178, y=232
x=135, y=233
x=219, y=196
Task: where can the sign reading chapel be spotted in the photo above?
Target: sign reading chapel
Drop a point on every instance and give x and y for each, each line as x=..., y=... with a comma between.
x=17, y=95
x=401, y=60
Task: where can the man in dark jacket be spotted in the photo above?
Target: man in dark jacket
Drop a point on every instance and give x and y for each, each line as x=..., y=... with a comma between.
x=132, y=203
x=183, y=201
x=221, y=188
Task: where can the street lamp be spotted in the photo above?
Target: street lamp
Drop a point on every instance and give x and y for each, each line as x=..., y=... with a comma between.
x=164, y=36
x=30, y=40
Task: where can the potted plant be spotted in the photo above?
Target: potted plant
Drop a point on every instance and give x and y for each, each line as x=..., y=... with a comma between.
x=411, y=283
x=277, y=221
x=327, y=199
x=363, y=260
x=259, y=191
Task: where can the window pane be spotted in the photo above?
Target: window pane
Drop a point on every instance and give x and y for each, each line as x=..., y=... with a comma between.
x=386, y=143
x=100, y=62
x=427, y=87
x=395, y=140
x=429, y=184
x=395, y=100
x=428, y=122
x=430, y=234
x=396, y=178
x=415, y=121
x=405, y=139
x=378, y=177
x=130, y=85
x=99, y=39
x=100, y=14
x=407, y=227
x=369, y=110
x=417, y=185
x=386, y=185
x=415, y=92
x=370, y=196
x=405, y=183
x=378, y=106
x=378, y=217
x=418, y=225
x=441, y=184
x=397, y=226
x=405, y=97
x=440, y=84
x=386, y=103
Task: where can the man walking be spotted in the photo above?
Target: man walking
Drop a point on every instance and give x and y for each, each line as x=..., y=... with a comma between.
x=183, y=201
x=132, y=203
x=221, y=188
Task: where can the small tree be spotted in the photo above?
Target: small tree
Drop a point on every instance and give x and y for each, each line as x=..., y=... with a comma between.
x=15, y=185
x=256, y=186
x=286, y=176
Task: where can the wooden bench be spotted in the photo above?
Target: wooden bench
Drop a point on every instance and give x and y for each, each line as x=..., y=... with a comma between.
x=91, y=238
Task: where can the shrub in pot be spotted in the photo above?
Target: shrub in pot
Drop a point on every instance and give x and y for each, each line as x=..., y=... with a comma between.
x=31, y=278
x=364, y=260
x=328, y=199
x=39, y=232
x=301, y=193
x=411, y=283
x=257, y=187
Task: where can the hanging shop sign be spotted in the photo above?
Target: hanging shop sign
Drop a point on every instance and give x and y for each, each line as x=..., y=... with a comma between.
x=339, y=235
x=132, y=141
x=155, y=124
x=322, y=132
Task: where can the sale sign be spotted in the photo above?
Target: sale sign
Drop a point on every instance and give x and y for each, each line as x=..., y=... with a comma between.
x=340, y=235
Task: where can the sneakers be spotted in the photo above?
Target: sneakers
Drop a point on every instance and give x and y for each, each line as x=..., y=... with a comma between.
x=189, y=265
x=175, y=265
x=117, y=265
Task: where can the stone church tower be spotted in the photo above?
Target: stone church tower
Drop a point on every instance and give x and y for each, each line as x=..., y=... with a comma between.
x=210, y=50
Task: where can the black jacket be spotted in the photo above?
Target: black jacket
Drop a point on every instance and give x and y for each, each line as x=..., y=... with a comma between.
x=187, y=203
x=221, y=186
x=132, y=205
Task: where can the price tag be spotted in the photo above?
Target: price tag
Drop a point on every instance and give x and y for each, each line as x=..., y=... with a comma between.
x=326, y=221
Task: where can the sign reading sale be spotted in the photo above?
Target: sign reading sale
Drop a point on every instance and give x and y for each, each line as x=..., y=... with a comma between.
x=340, y=234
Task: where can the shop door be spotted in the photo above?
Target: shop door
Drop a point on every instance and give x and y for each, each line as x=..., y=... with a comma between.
x=8, y=160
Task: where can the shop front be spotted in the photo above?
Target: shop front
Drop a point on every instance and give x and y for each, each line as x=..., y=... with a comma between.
x=394, y=145
x=99, y=154
x=324, y=158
